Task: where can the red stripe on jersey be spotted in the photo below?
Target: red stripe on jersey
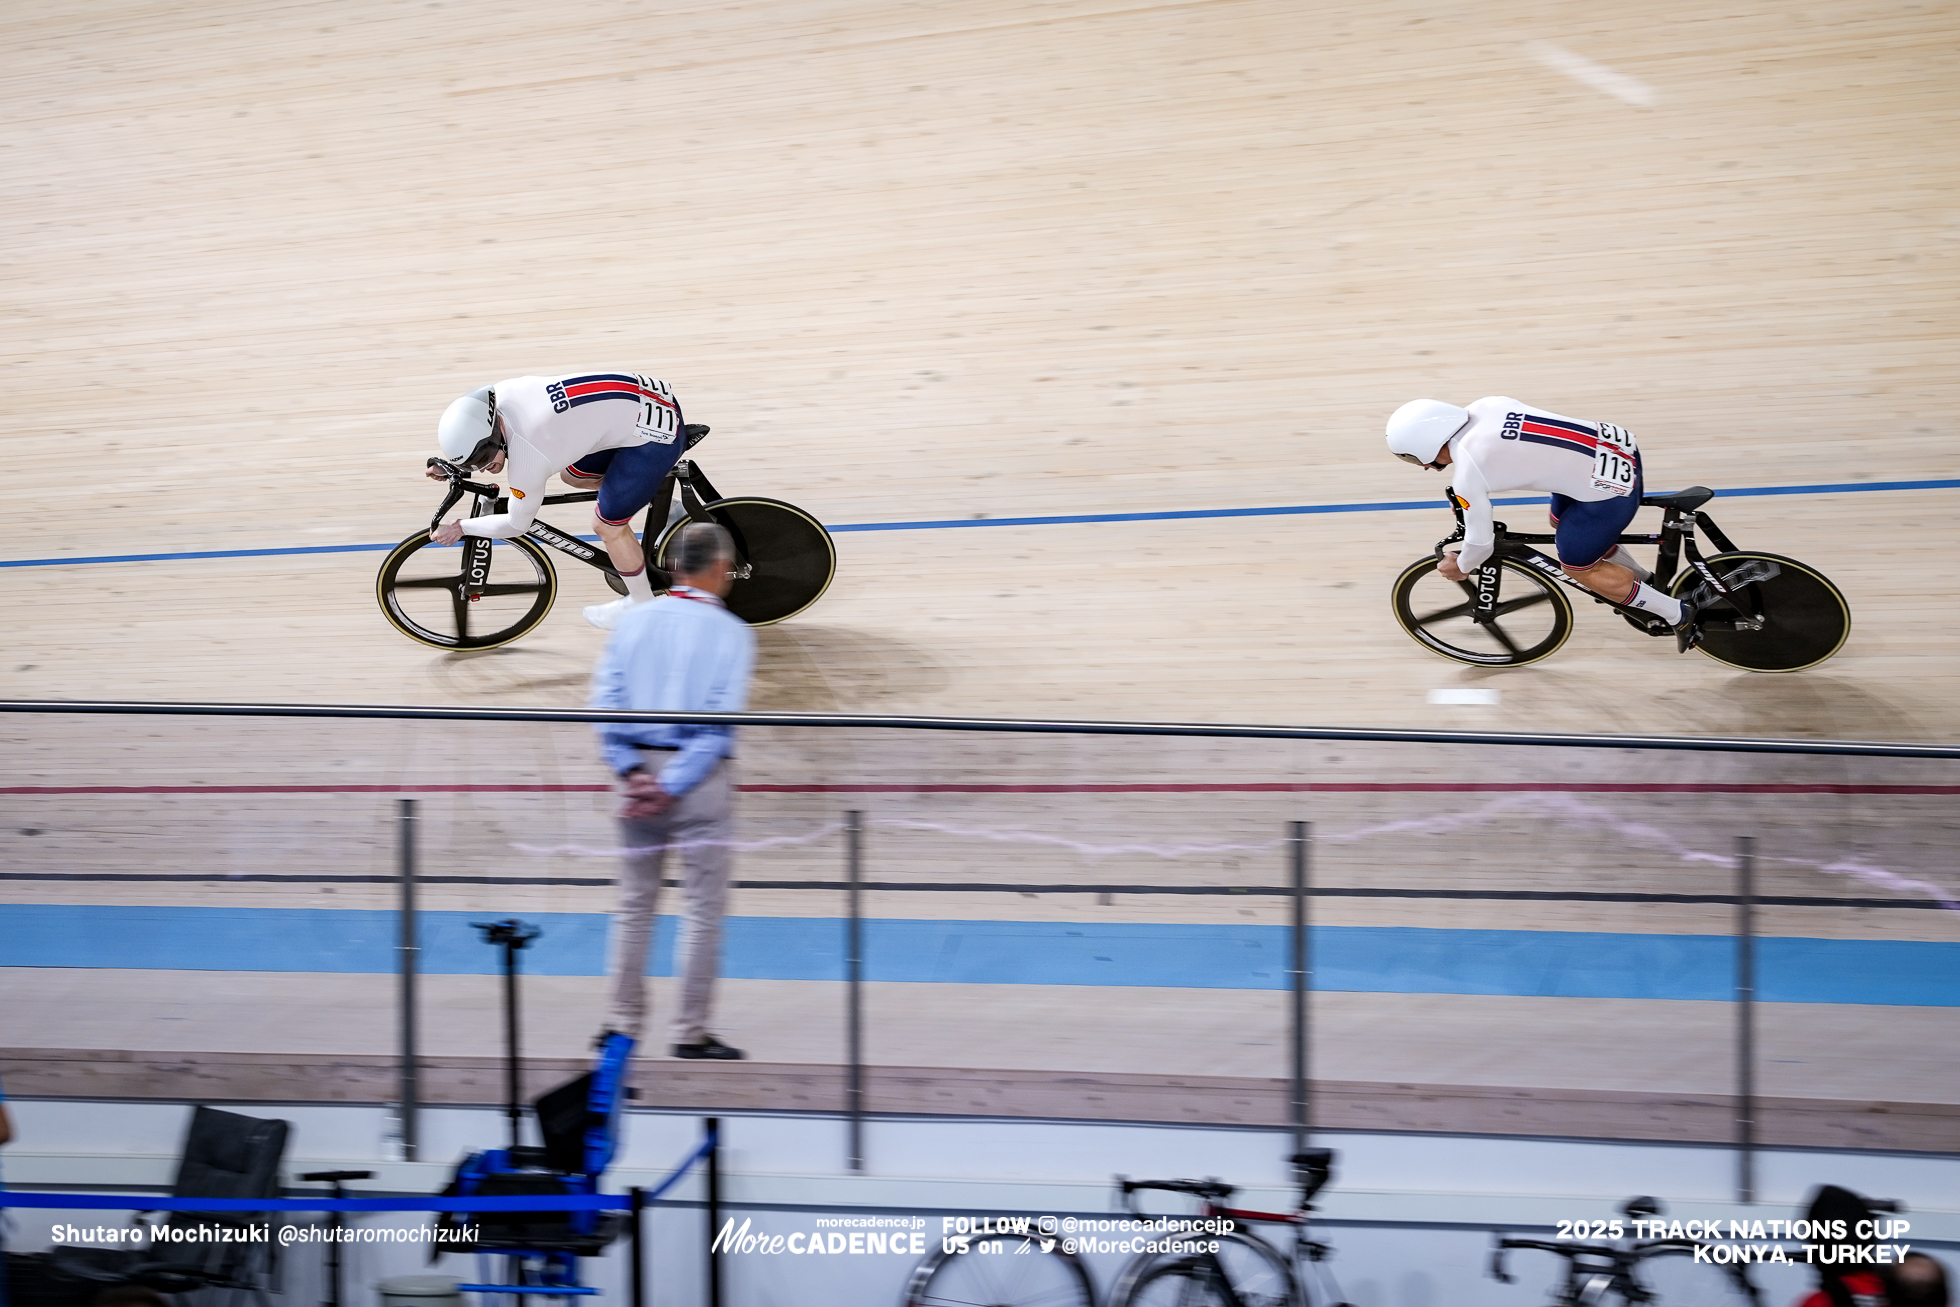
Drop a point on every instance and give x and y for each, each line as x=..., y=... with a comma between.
x=621, y=388
x=1540, y=429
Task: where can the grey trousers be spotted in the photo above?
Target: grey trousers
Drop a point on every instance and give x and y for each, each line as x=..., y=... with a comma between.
x=700, y=824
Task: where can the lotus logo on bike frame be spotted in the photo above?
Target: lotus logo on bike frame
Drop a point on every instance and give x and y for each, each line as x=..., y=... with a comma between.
x=1486, y=591
x=479, y=571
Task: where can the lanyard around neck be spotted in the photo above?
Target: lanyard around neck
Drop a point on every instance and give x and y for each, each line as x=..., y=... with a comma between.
x=698, y=596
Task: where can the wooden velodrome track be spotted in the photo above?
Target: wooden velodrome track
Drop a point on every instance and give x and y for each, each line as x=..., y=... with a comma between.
x=938, y=262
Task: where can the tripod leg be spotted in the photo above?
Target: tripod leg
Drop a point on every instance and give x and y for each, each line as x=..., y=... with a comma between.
x=512, y=1096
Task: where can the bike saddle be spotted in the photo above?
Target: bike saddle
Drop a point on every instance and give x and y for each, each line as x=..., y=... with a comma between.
x=1313, y=1169
x=693, y=433
x=1686, y=500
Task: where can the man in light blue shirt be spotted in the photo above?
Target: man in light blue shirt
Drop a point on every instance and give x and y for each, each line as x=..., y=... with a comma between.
x=684, y=652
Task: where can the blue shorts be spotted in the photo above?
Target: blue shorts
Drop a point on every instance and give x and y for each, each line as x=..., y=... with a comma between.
x=631, y=476
x=1588, y=531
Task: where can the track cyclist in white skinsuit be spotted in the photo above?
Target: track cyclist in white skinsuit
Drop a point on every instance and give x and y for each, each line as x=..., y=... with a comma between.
x=1591, y=470
x=619, y=431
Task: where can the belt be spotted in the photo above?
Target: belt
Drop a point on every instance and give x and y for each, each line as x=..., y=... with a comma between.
x=658, y=748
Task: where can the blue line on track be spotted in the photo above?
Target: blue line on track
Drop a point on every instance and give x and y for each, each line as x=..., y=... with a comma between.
x=1077, y=519
x=1358, y=959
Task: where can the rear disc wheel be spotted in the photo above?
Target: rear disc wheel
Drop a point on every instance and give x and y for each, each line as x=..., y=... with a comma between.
x=1805, y=618
x=785, y=558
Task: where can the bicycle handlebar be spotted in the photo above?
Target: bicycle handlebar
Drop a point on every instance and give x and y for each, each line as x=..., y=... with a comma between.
x=1623, y=1260
x=1215, y=1190
x=459, y=485
x=1312, y=1170
x=460, y=479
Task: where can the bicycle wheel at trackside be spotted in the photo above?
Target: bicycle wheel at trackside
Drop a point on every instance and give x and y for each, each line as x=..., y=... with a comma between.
x=1004, y=1270
x=787, y=557
x=1805, y=617
x=425, y=594
x=1533, y=615
x=1256, y=1271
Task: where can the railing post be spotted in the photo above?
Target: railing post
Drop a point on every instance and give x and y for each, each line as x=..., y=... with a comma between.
x=853, y=984
x=1745, y=1004
x=636, y=1277
x=1301, y=974
x=409, y=953
x=714, y=1209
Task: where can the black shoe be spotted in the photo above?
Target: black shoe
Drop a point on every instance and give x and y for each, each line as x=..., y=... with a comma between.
x=1686, y=634
x=709, y=1049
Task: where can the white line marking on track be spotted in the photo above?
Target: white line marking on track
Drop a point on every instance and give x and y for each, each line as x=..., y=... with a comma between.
x=1463, y=696
x=1629, y=90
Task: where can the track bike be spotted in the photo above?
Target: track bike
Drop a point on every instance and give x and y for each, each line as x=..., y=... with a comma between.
x=488, y=592
x=1595, y=1272
x=1760, y=612
x=1010, y=1269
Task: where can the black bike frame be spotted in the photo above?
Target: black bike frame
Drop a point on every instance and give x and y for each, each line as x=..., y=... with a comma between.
x=693, y=484
x=1676, y=539
x=1585, y=1263
x=1312, y=1170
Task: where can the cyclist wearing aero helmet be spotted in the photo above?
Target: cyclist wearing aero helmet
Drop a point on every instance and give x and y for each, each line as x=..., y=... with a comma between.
x=1591, y=470
x=619, y=431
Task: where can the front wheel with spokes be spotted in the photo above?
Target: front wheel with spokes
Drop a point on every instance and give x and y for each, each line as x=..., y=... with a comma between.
x=1532, y=617
x=1187, y=1283
x=427, y=592
x=1257, y=1273
x=1001, y=1270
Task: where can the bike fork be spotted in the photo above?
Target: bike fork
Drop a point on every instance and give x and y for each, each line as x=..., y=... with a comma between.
x=476, y=570
x=1486, y=610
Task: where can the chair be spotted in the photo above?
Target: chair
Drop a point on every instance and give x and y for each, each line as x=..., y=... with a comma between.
x=225, y=1155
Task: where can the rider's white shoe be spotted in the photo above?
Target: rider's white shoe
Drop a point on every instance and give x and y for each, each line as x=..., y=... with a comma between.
x=606, y=616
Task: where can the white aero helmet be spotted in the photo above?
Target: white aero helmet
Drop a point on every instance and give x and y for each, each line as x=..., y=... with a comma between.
x=1419, y=429
x=468, y=430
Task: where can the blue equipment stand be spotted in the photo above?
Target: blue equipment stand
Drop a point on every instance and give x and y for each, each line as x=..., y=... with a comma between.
x=579, y=1123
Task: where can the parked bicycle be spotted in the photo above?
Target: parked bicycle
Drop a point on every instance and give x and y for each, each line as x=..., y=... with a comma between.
x=1760, y=612
x=489, y=592
x=1598, y=1272
x=1036, y=1270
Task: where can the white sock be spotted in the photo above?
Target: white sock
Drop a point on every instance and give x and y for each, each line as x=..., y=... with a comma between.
x=1627, y=560
x=1648, y=599
x=638, y=588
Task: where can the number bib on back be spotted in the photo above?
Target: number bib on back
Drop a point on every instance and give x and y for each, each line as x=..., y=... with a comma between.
x=659, y=419
x=1613, y=465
